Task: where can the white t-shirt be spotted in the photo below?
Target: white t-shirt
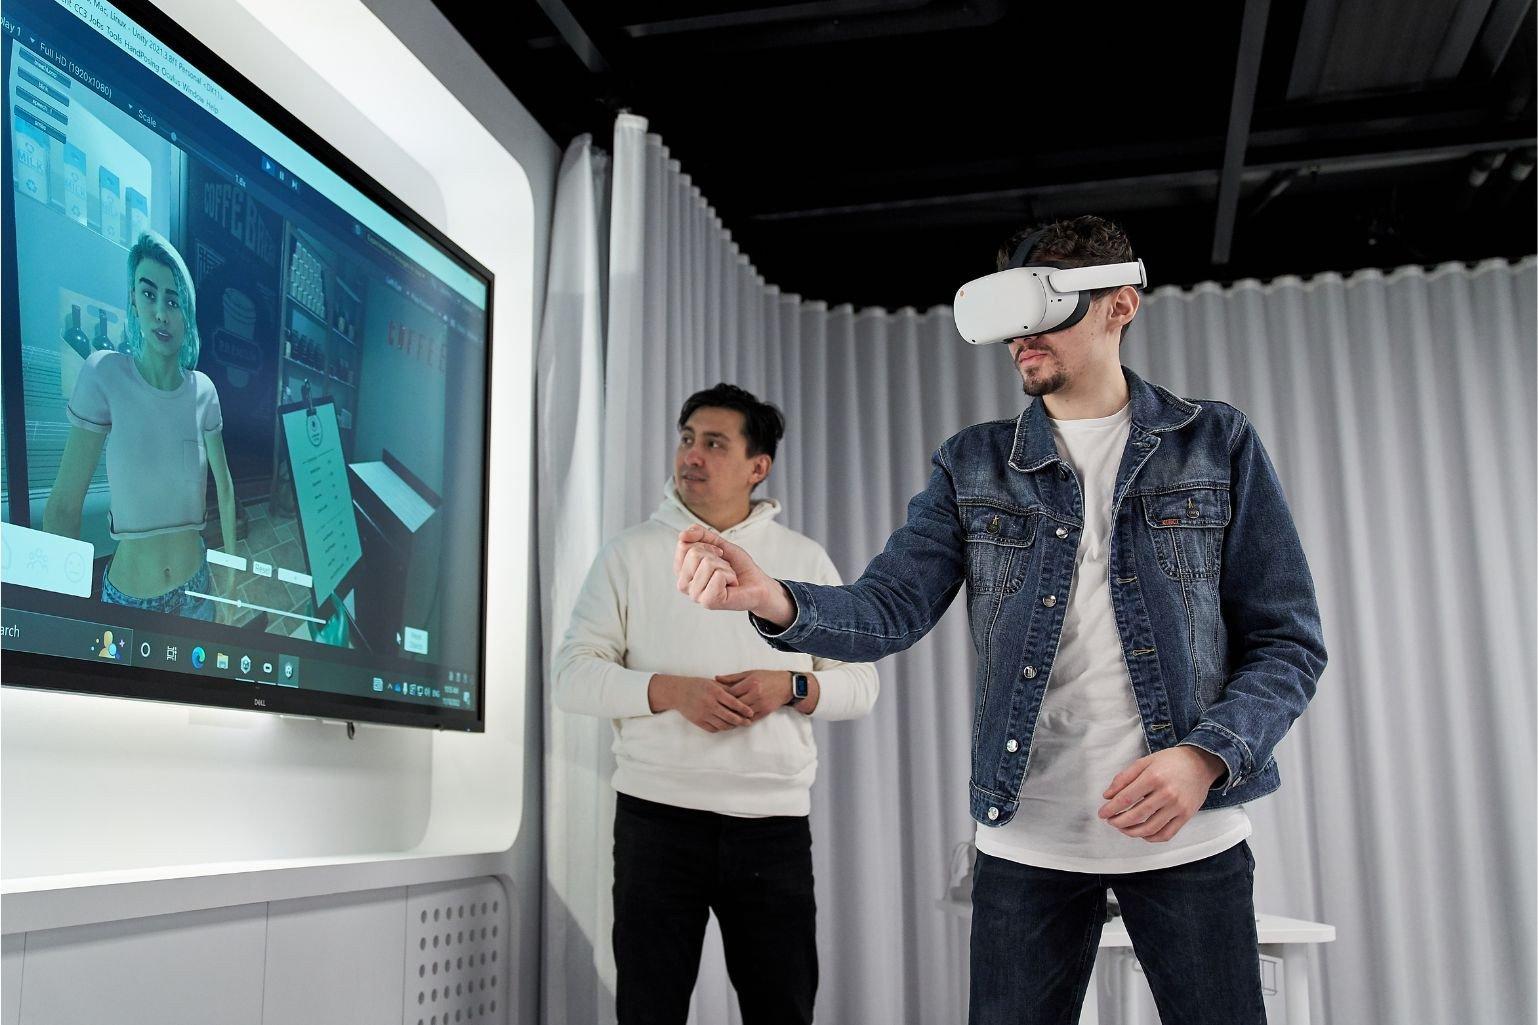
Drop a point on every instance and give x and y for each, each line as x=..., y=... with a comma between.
x=157, y=461
x=1089, y=728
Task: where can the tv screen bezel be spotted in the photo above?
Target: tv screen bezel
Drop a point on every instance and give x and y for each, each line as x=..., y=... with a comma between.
x=31, y=670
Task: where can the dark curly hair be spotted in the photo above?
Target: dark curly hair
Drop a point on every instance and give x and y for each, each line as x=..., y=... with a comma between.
x=1076, y=242
x=762, y=422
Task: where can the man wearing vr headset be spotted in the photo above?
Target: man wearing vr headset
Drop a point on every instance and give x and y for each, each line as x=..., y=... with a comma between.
x=1146, y=632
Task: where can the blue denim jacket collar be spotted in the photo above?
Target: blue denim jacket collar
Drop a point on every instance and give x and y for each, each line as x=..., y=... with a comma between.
x=1154, y=411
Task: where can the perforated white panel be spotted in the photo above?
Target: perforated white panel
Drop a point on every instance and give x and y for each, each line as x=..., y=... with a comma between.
x=456, y=954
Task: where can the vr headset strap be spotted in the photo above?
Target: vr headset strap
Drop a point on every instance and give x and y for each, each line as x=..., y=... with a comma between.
x=1022, y=252
x=1079, y=310
x=1111, y=275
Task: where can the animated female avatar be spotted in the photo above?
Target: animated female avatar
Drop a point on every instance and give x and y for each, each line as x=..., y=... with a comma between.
x=166, y=431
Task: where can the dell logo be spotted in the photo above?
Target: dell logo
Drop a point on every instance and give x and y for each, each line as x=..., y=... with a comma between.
x=260, y=702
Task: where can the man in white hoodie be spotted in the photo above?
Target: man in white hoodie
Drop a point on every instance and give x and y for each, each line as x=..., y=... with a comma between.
x=712, y=734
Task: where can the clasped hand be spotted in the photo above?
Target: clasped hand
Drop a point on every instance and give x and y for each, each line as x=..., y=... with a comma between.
x=729, y=701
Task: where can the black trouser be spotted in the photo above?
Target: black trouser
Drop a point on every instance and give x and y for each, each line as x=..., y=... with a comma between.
x=672, y=867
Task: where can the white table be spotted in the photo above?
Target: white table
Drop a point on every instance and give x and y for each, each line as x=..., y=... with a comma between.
x=1285, y=939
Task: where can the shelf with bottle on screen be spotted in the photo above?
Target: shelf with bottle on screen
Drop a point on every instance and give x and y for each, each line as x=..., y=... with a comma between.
x=313, y=307
x=341, y=369
x=306, y=274
x=322, y=371
x=308, y=366
x=346, y=310
x=299, y=305
x=342, y=327
x=305, y=350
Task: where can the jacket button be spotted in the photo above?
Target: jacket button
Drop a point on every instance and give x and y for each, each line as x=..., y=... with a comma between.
x=1062, y=531
x=1012, y=746
x=993, y=525
x=1029, y=672
x=993, y=814
x=1050, y=600
x=1062, y=471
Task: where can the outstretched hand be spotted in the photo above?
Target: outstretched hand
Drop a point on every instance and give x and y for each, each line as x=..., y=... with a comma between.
x=719, y=575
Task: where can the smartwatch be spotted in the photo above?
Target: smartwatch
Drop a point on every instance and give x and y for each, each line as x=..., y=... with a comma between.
x=799, y=687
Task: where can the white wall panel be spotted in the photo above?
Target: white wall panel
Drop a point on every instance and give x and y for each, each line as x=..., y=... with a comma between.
x=192, y=969
x=11, y=948
x=335, y=960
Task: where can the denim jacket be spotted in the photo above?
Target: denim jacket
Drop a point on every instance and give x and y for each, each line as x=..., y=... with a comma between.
x=1212, y=594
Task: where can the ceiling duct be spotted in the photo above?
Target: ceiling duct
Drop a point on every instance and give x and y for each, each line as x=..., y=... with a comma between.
x=812, y=24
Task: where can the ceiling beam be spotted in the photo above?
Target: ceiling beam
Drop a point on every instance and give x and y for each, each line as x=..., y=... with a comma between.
x=1458, y=41
x=1178, y=179
x=1196, y=178
x=816, y=11
x=1391, y=129
x=793, y=28
x=1502, y=28
x=1313, y=46
x=1252, y=43
x=1394, y=158
x=574, y=35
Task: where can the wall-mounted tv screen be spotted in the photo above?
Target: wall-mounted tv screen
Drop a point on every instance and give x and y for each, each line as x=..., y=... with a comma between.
x=244, y=395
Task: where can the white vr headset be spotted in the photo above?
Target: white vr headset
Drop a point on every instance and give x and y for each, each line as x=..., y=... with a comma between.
x=1033, y=299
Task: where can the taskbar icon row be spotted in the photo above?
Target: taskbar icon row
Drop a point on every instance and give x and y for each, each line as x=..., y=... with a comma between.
x=23, y=630
x=222, y=661
x=100, y=642
x=438, y=693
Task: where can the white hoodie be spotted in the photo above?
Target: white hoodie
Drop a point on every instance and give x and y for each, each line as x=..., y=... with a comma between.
x=631, y=622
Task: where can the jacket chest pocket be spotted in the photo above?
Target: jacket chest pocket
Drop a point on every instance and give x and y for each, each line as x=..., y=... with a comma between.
x=998, y=543
x=1187, y=528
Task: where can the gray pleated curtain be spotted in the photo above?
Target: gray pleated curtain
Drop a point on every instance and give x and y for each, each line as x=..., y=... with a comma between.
x=1399, y=409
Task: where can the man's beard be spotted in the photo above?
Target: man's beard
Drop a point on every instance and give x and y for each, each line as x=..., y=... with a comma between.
x=1039, y=386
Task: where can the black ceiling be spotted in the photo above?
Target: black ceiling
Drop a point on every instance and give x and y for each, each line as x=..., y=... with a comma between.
x=878, y=152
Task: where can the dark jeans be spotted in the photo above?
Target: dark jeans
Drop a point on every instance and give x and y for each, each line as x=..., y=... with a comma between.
x=672, y=867
x=175, y=602
x=1035, y=932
